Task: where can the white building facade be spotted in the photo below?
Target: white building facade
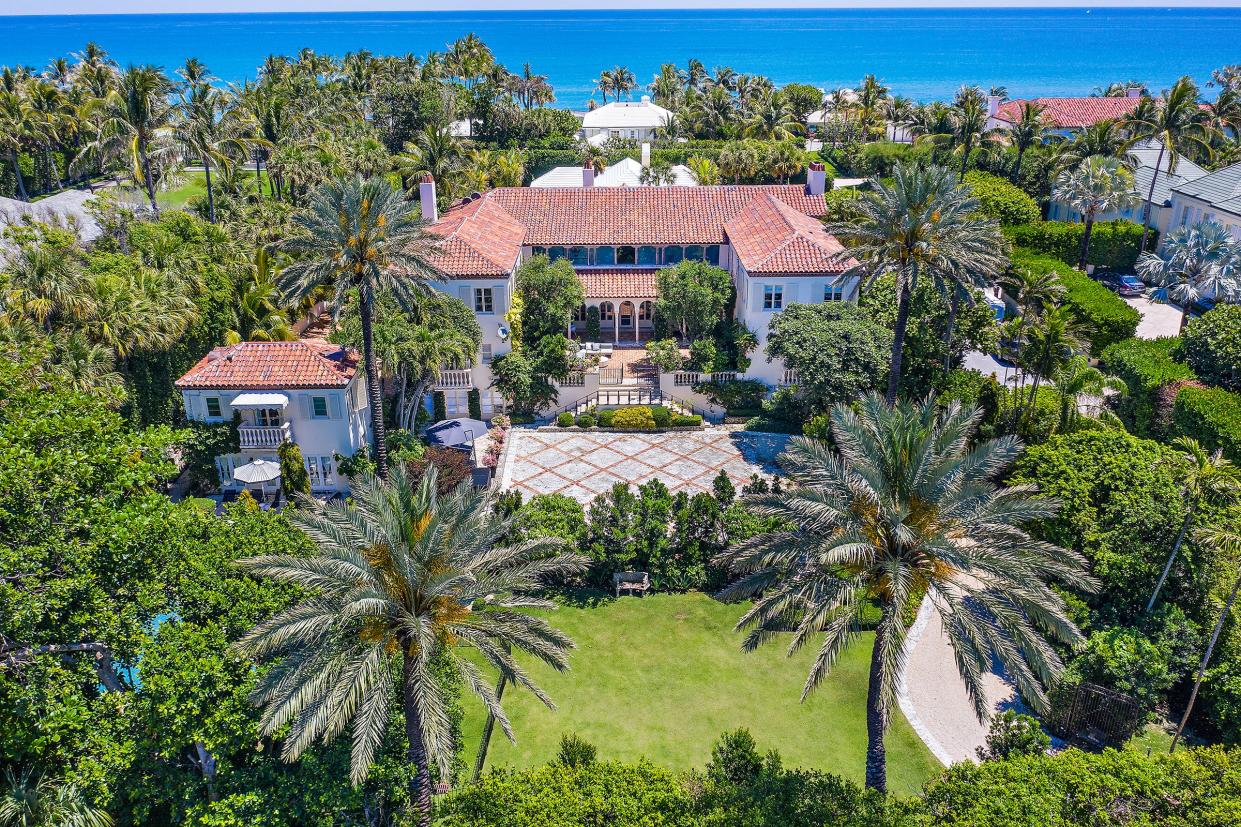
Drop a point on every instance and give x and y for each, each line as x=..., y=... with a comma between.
x=628, y=120
x=1211, y=197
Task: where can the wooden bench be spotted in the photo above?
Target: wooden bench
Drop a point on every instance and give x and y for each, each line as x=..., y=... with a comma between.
x=631, y=581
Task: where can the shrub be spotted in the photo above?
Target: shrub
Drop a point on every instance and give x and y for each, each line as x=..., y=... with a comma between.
x=1126, y=660
x=1113, y=244
x=741, y=395
x=686, y=421
x=294, y=478
x=439, y=406
x=557, y=516
x=592, y=323
x=475, y=403
x=1013, y=734
x=1211, y=345
x=605, y=417
x=637, y=418
x=1105, y=315
x=575, y=751
x=201, y=443
x=665, y=355
x=702, y=353
x=1212, y=416
x=585, y=421
x=661, y=415
x=1145, y=366
x=564, y=419
x=1003, y=201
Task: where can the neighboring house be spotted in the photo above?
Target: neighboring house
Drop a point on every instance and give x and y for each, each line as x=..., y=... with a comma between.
x=635, y=121
x=1142, y=158
x=768, y=237
x=66, y=208
x=1215, y=196
x=1064, y=116
x=624, y=173
x=309, y=393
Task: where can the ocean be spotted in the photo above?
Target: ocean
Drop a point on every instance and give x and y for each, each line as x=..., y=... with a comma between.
x=923, y=54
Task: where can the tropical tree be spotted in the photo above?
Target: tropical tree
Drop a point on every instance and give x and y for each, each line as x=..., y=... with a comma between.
x=258, y=315
x=43, y=801
x=19, y=124
x=1179, y=125
x=46, y=284
x=211, y=133
x=1050, y=343
x=360, y=235
x=705, y=171
x=1076, y=379
x=899, y=508
x=404, y=580
x=770, y=120
x=1033, y=293
x=1108, y=138
x=1208, y=478
x=1200, y=260
x=920, y=221
x=969, y=123
x=1097, y=186
x=1027, y=131
x=435, y=151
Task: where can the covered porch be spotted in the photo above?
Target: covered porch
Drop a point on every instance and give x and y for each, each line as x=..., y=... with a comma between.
x=625, y=298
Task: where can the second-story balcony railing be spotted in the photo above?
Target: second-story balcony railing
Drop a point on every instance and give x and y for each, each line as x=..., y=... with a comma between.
x=455, y=379
x=264, y=436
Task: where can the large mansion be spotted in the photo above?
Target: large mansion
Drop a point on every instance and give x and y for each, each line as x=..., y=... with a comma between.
x=768, y=237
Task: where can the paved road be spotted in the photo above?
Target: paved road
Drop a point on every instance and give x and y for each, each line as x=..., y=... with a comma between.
x=1157, y=319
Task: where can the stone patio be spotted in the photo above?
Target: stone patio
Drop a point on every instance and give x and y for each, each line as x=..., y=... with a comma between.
x=584, y=464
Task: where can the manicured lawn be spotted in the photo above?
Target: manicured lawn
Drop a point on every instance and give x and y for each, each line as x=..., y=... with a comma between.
x=663, y=676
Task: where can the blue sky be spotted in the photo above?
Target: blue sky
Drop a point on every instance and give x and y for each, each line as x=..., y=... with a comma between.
x=151, y=6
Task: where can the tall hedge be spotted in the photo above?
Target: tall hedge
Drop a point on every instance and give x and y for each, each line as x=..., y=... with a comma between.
x=1113, y=244
x=1145, y=366
x=1212, y=416
x=1001, y=199
x=1104, y=314
x=1211, y=345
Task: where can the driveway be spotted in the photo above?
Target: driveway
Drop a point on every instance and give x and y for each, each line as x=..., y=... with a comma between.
x=1158, y=320
x=584, y=464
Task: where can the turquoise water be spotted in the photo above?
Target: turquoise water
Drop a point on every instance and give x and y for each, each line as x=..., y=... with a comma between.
x=921, y=53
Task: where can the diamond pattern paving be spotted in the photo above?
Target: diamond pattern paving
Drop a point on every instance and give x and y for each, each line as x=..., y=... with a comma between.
x=581, y=465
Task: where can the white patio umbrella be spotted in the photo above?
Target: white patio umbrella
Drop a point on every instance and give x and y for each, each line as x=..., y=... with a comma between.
x=260, y=472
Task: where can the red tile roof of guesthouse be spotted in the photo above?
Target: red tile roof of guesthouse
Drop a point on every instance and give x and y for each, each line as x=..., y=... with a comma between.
x=1073, y=113
x=769, y=236
x=273, y=366
x=484, y=234
x=618, y=282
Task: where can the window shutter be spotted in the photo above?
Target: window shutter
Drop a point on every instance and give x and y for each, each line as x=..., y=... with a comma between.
x=308, y=407
x=758, y=297
x=333, y=406
x=498, y=300
x=466, y=295
x=194, y=406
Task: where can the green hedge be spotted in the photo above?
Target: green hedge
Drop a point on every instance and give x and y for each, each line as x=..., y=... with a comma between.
x=1105, y=315
x=1212, y=416
x=1001, y=199
x=1145, y=366
x=1113, y=244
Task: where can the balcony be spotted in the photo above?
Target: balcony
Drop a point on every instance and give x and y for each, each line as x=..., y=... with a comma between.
x=455, y=379
x=261, y=436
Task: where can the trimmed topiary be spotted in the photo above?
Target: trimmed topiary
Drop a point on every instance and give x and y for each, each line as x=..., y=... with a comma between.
x=475, y=403
x=1105, y=315
x=604, y=418
x=1146, y=367
x=585, y=421
x=661, y=415
x=1212, y=416
x=1002, y=200
x=565, y=420
x=637, y=418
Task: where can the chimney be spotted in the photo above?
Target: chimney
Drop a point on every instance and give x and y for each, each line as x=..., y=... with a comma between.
x=816, y=179
x=993, y=105
x=1133, y=92
x=588, y=174
x=426, y=195
x=646, y=154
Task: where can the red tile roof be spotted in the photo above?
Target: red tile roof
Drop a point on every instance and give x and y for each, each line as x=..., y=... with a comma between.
x=273, y=366
x=1073, y=113
x=484, y=235
x=769, y=236
x=618, y=282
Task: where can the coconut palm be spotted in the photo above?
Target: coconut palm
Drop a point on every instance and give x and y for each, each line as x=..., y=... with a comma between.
x=211, y=133
x=1179, y=125
x=1207, y=479
x=1108, y=138
x=19, y=125
x=1097, y=186
x=1227, y=539
x=435, y=152
x=920, y=221
x=258, y=315
x=43, y=801
x=404, y=580
x=1200, y=260
x=360, y=235
x=902, y=507
x=969, y=112
x=1027, y=131
x=770, y=120
x=1075, y=380
x=1050, y=343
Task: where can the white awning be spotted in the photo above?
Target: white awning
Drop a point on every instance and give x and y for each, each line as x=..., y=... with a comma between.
x=260, y=400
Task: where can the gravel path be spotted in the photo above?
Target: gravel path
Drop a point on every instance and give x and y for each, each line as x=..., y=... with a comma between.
x=932, y=694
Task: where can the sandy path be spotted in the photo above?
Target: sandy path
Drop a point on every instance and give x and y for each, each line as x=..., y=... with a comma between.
x=932, y=694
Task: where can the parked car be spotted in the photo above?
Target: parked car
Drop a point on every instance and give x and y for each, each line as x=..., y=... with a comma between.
x=1122, y=284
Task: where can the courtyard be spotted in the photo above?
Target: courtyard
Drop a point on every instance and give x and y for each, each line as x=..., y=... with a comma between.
x=584, y=464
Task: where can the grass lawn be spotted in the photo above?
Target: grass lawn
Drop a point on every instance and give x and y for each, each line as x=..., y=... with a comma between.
x=663, y=676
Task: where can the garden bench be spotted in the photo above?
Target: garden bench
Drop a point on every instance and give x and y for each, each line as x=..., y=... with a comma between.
x=631, y=581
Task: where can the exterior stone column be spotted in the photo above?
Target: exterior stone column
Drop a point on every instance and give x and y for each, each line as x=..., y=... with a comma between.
x=637, y=325
x=616, y=322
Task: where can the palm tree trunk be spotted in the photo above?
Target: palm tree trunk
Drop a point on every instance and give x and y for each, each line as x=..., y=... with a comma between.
x=898, y=341
x=876, y=719
x=1176, y=550
x=1081, y=264
x=17, y=172
x=146, y=176
x=1150, y=197
x=1017, y=166
x=416, y=752
x=373, y=386
x=210, y=194
x=1184, y=317
x=953, y=307
x=965, y=157
x=1206, y=659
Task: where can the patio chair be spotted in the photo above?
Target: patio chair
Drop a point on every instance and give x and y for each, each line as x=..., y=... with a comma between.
x=631, y=581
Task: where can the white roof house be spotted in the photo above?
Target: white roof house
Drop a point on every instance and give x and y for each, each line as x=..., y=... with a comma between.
x=635, y=120
x=624, y=173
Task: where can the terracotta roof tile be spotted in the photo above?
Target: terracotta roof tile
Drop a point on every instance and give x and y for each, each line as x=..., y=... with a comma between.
x=1073, y=113
x=480, y=239
x=769, y=236
x=273, y=366
x=618, y=282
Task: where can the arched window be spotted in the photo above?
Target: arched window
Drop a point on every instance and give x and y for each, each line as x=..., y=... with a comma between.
x=626, y=314
x=693, y=252
x=673, y=254
x=646, y=255
x=626, y=255
x=579, y=313
x=605, y=256
x=605, y=312
x=645, y=310
x=577, y=255
x=555, y=252
x=713, y=255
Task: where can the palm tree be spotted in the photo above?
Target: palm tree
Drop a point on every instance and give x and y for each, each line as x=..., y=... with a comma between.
x=606, y=84
x=770, y=120
x=84, y=366
x=970, y=123
x=1195, y=261
x=209, y=131
x=1108, y=138
x=258, y=315
x=403, y=579
x=27, y=801
x=1179, y=125
x=1077, y=379
x=360, y=235
x=1227, y=539
x=919, y=221
x=705, y=171
x=435, y=152
x=623, y=81
x=1208, y=479
x=1051, y=341
x=19, y=124
x=1096, y=187
x=1033, y=293
x=902, y=507
x=47, y=285
x=1027, y=131
x=870, y=96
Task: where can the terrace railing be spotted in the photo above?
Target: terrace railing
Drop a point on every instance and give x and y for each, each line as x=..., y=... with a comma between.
x=455, y=379
x=264, y=436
